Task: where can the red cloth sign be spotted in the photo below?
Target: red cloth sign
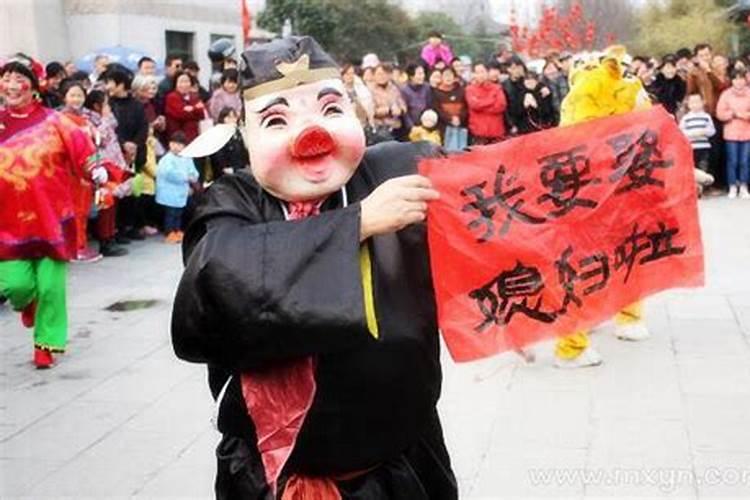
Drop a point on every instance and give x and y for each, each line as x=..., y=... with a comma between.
x=556, y=231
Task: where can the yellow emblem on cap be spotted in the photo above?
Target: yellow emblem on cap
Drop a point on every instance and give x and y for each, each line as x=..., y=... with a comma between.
x=301, y=64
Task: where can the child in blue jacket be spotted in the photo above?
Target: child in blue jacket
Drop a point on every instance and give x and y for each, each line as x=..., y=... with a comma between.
x=173, y=177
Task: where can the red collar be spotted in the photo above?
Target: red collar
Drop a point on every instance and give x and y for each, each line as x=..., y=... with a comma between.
x=303, y=209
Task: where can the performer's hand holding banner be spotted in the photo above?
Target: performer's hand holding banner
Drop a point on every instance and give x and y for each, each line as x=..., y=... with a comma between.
x=556, y=231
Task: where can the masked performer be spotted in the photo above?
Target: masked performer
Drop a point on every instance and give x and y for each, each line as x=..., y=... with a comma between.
x=307, y=292
x=43, y=155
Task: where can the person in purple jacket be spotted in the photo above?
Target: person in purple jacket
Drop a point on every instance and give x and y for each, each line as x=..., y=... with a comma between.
x=416, y=93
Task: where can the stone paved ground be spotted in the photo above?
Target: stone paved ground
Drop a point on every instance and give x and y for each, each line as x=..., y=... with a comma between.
x=120, y=417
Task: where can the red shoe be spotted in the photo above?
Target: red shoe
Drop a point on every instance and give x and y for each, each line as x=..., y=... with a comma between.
x=28, y=314
x=42, y=359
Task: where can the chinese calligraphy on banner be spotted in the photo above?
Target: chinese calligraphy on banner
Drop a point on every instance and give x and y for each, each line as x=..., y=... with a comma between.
x=556, y=231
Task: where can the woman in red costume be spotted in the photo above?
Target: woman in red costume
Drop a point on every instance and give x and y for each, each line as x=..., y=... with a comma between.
x=74, y=95
x=42, y=155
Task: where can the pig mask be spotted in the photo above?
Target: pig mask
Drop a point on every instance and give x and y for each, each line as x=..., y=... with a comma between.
x=304, y=139
x=304, y=142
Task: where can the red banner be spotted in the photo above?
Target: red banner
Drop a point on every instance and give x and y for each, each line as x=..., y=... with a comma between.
x=556, y=231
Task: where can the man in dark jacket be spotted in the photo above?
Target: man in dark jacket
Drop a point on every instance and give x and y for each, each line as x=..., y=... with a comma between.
x=132, y=125
x=172, y=65
x=132, y=131
x=515, y=113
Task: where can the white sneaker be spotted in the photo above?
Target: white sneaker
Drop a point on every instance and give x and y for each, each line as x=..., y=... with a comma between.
x=732, y=192
x=703, y=178
x=633, y=331
x=589, y=357
x=744, y=193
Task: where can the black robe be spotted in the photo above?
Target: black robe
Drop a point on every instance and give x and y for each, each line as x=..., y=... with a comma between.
x=258, y=290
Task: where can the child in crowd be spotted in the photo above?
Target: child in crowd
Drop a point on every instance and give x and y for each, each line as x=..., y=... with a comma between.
x=428, y=130
x=173, y=177
x=449, y=101
x=698, y=126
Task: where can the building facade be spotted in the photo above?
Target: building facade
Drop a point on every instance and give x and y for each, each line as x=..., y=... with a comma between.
x=68, y=29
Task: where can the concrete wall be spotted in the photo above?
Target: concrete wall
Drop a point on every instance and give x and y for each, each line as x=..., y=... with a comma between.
x=34, y=27
x=68, y=29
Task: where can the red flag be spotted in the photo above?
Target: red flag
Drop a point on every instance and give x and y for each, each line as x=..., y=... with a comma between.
x=552, y=232
x=245, y=22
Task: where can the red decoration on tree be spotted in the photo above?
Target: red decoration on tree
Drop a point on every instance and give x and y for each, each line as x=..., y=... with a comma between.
x=556, y=31
x=590, y=33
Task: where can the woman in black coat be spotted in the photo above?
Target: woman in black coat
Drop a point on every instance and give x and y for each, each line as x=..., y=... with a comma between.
x=539, y=108
x=668, y=89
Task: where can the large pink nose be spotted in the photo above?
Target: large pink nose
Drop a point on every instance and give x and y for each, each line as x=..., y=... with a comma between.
x=312, y=142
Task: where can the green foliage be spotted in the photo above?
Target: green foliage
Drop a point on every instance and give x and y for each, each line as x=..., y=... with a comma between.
x=666, y=27
x=370, y=26
x=307, y=16
x=349, y=29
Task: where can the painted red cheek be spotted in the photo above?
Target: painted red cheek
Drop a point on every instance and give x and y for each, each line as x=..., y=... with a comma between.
x=25, y=86
x=273, y=161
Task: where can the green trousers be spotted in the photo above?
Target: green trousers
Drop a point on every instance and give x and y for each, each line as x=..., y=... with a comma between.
x=43, y=281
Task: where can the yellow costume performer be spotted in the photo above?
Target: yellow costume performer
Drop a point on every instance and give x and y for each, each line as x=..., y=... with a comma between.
x=598, y=88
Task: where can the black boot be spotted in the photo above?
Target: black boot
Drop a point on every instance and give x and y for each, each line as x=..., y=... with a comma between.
x=109, y=249
x=121, y=239
x=135, y=235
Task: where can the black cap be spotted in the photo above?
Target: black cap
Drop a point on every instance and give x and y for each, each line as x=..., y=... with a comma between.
x=284, y=63
x=221, y=49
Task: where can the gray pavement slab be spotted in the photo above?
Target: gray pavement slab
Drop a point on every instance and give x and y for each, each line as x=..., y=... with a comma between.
x=121, y=417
